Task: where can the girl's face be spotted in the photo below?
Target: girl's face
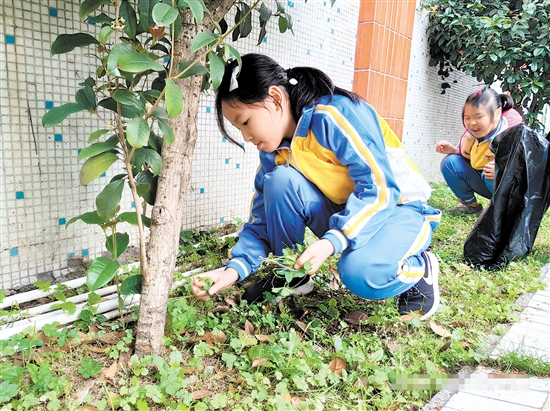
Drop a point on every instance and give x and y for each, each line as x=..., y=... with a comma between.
x=478, y=120
x=264, y=124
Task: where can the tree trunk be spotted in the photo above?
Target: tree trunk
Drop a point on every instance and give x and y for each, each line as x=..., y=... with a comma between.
x=171, y=192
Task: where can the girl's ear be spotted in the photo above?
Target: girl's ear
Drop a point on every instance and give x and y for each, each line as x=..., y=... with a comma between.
x=498, y=113
x=276, y=94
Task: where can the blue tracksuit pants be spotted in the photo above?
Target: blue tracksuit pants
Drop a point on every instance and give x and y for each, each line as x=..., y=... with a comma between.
x=388, y=265
x=463, y=180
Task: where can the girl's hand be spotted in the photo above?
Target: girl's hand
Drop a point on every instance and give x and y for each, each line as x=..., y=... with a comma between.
x=489, y=170
x=444, y=147
x=316, y=254
x=221, y=279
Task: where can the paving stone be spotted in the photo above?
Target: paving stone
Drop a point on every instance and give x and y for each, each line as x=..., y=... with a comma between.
x=539, y=384
x=528, y=398
x=467, y=402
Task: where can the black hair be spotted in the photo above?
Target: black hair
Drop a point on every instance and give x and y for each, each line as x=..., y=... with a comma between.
x=304, y=86
x=490, y=99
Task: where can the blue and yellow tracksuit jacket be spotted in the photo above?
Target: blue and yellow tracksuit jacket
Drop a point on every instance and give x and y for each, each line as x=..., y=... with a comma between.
x=351, y=154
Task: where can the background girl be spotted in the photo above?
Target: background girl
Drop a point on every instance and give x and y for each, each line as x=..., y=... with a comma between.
x=470, y=168
x=329, y=162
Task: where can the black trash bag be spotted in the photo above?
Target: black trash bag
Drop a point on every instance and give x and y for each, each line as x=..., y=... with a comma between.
x=506, y=229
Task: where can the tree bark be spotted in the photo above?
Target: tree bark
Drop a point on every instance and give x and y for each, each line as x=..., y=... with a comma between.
x=171, y=191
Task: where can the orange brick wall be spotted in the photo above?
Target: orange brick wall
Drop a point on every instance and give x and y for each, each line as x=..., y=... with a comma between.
x=384, y=39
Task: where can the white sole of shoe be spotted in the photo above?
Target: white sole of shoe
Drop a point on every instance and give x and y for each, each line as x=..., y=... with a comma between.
x=434, y=267
x=304, y=289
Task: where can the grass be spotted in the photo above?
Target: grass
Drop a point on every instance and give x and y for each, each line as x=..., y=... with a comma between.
x=301, y=353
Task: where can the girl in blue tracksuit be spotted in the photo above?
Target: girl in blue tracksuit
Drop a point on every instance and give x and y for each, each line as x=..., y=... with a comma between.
x=329, y=162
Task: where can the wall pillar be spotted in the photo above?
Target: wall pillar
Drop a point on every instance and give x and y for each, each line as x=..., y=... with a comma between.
x=383, y=50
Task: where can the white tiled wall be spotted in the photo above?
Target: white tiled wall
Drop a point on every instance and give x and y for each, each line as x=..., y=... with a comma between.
x=429, y=115
x=39, y=189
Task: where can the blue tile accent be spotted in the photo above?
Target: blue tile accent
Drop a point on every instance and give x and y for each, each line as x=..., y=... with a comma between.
x=226, y=161
x=343, y=62
x=49, y=104
x=10, y=39
x=331, y=31
x=208, y=109
x=58, y=137
x=70, y=255
x=19, y=195
x=328, y=20
x=166, y=59
x=85, y=253
x=79, y=150
x=237, y=165
x=201, y=190
x=290, y=4
x=90, y=21
x=338, y=10
x=309, y=53
x=14, y=251
x=224, y=140
x=222, y=220
x=62, y=221
x=103, y=175
x=133, y=204
x=52, y=12
x=324, y=3
x=242, y=144
x=265, y=39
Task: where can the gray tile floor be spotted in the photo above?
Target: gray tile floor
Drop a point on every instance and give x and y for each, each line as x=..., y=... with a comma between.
x=491, y=390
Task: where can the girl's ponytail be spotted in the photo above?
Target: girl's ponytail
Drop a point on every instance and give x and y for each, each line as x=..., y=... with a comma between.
x=306, y=86
x=506, y=102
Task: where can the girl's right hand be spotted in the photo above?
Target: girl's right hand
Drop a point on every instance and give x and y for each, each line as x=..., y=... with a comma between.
x=221, y=279
x=444, y=147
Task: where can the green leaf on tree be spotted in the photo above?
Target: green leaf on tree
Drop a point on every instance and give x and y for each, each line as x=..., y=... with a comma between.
x=128, y=13
x=131, y=285
x=95, y=166
x=68, y=42
x=129, y=101
x=164, y=14
x=137, y=63
x=116, y=53
x=108, y=200
x=117, y=244
x=173, y=98
x=89, y=218
x=202, y=40
x=137, y=132
x=86, y=98
x=89, y=6
x=197, y=8
x=131, y=218
x=195, y=70
x=56, y=115
x=167, y=131
x=217, y=69
x=97, y=148
x=101, y=272
x=148, y=156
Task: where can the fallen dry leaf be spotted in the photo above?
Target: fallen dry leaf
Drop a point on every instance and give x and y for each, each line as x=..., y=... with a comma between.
x=249, y=328
x=210, y=338
x=335, y=273
x=112, y=338
x=97, y=349
x=111, y=371
x=229, y=301
x=297, y=402
x=361, y=382
x=357, y=317
x=83, y=391
x=394, y=347
x=334, y=284
x=221, y=309
x=465, y=267
x=87, y=408
x=337, y=365
x=112, y=400
x=439, y=330
x=302, y=326
x=200, y=394
x=408, y=317
x=445, y=346
x=262, y=338
x=458, y=323
x=287, y=397
x=231, y=388
x=258, y=362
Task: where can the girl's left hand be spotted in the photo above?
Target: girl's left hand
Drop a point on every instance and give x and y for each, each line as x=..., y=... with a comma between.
x=489, y=171
x=316, y=254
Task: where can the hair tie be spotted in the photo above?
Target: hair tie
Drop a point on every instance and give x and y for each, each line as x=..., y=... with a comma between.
x=291, y=78
x=233, y=83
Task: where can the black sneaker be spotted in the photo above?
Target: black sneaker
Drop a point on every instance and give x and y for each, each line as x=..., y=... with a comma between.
x=255, y=291
x=424, y=295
